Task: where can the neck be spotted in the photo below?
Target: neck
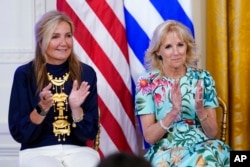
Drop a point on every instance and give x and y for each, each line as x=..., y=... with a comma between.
x=175, y=73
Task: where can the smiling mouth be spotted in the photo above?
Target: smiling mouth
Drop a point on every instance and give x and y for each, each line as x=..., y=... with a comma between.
x=178, y=59
x=62, y=50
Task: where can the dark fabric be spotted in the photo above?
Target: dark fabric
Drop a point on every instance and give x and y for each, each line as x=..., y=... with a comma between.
x=23, y=100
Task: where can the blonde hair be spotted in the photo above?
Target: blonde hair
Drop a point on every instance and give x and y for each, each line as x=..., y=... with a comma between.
x=152, y=62
x=44, y=29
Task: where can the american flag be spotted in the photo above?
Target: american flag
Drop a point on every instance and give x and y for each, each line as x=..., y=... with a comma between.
x=112, y=36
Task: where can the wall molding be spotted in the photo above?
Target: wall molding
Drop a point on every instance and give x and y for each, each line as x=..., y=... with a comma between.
x=9, y=149
x=17, y=46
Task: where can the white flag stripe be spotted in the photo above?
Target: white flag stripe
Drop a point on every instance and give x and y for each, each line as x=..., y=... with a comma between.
x=187, y=7
x=136, y=67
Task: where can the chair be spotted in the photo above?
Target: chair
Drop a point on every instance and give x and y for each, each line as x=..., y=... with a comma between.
x=96, y=142
x=223, y=118
x=97, y=138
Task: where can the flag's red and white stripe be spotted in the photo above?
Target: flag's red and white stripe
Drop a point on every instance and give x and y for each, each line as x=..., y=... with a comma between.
x=100, y=40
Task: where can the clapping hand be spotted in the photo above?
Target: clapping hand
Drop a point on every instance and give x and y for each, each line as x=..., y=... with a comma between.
x=176, y=97
x=199, y=100
x=78, y=94
x=46, y=97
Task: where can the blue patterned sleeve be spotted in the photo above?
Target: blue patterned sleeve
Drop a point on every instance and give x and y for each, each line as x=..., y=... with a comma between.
x=210, y=94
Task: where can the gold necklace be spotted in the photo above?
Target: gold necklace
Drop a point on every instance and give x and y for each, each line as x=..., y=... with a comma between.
x=61, y=126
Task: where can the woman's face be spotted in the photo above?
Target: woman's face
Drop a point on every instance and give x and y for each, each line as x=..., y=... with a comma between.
x=60, y=44
x=173, y=51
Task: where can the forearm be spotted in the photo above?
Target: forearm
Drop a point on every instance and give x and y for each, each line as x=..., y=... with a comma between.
x=23, y=130
x=157, y=130
x=86, y=129
x=39, y=113
x=209, y=123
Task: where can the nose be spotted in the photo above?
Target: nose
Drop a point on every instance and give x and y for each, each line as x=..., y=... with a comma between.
x=63, y=41
x=175, y=50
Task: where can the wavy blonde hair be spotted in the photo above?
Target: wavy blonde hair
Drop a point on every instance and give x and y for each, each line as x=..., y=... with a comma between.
x=152, y=62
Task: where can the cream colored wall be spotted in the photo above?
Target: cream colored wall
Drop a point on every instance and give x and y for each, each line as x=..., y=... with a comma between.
x=16, y=47
x=199, y=20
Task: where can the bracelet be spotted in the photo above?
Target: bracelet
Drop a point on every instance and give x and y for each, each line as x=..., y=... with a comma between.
x=163, y=126
x=76, y=120
x=204, y=118
x=40, y=110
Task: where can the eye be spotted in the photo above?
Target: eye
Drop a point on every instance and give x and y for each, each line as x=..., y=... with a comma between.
x=168, y=46
x=68, y=35
x=55, y=36
x=180, y=44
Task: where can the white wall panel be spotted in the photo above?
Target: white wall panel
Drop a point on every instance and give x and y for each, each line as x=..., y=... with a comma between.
x=17, y=18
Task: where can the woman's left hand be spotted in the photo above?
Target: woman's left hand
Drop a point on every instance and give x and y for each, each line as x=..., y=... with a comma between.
x=78, y=94
x=199, y=100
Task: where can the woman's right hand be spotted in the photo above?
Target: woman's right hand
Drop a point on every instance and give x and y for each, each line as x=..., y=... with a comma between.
x=46, y=102
x=46, y=97
x=176, y=97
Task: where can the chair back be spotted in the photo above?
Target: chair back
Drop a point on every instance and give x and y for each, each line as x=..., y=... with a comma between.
x=222, y=118
x=97, y=138
x=96, y=142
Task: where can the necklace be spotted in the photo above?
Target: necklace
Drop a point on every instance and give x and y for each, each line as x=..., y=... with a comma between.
x=61, y=126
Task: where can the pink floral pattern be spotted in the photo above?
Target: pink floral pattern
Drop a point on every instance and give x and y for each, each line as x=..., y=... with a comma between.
x=147, y=85
x=185, y=144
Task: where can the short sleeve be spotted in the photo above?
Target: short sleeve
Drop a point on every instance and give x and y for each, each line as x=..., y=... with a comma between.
x=144, y=103
x=210, y=94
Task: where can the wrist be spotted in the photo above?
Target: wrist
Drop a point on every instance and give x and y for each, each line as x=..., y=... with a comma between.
x=173, y=113
x=76, y=109
x=40, y=110
x=77, y=117
x=163, y=126
x=202, y=119
x=76, y=120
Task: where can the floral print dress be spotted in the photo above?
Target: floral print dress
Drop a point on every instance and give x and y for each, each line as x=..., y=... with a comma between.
x=185, y=144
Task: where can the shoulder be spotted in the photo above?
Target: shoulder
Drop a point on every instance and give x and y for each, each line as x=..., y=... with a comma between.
x=24, y=69
x=88, y=73
x=201, y=73
x=87, y=68
x=24, y=74
x=145, y=80
x=151, y=75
